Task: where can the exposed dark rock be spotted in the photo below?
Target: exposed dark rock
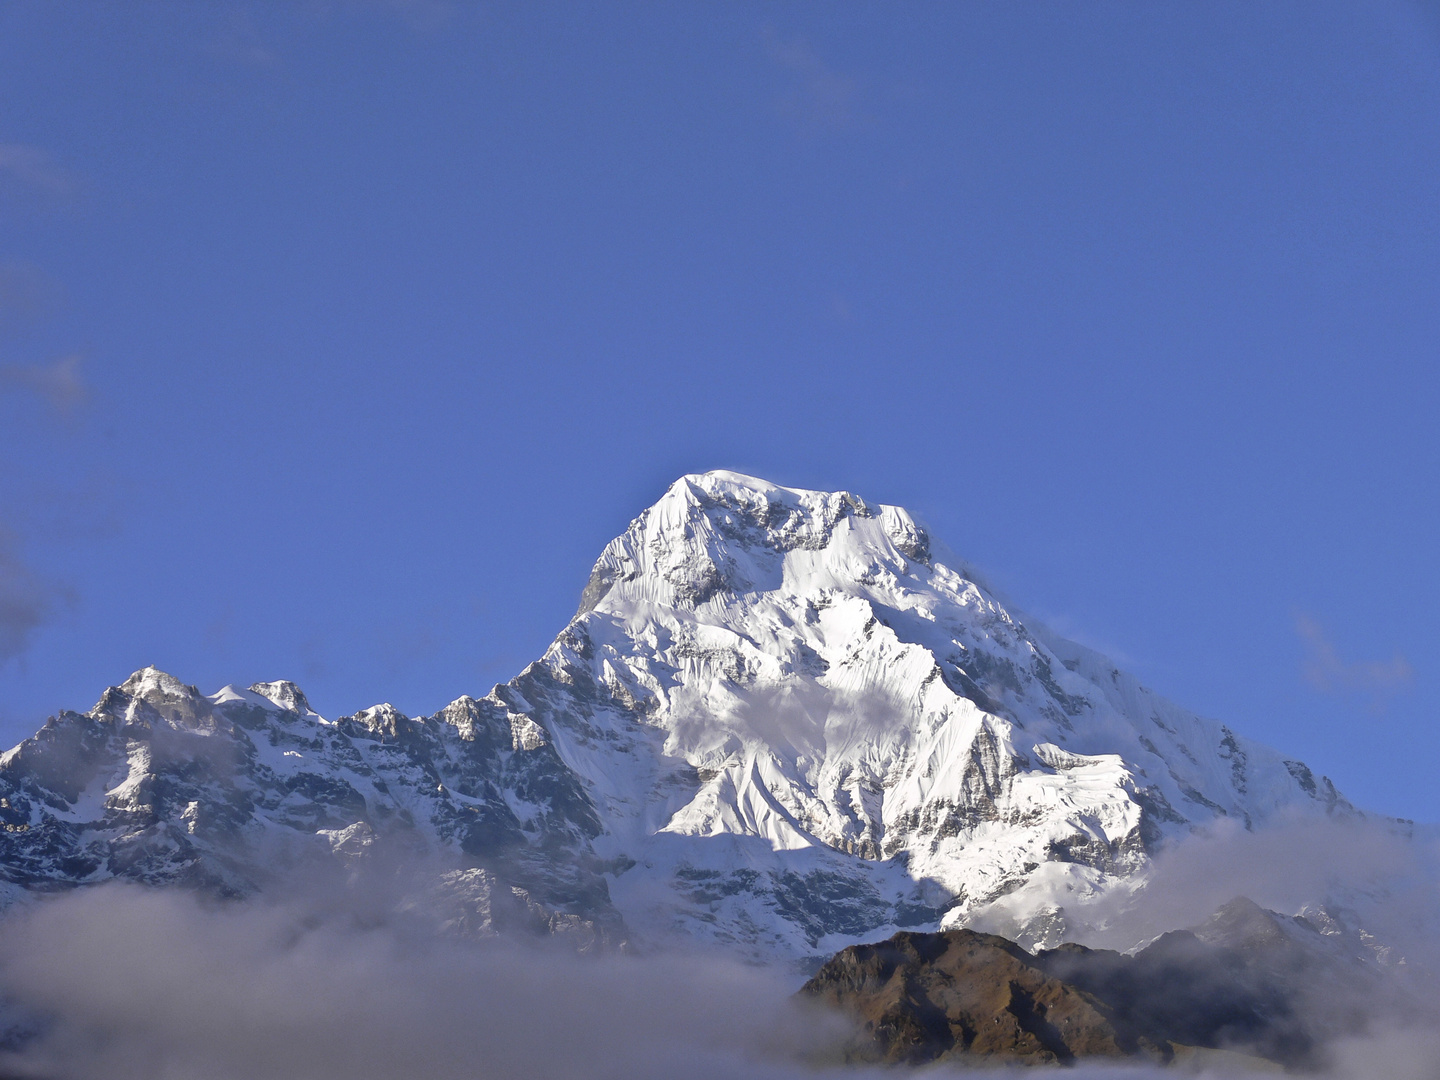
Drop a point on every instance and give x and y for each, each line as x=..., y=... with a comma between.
x=1246, y=981
x=158, y=785
x=936, y=997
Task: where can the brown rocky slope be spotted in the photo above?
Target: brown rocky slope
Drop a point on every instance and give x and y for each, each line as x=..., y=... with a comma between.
x=1244, y=982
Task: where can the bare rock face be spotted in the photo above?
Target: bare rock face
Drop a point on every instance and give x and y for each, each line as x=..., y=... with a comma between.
x=1248, y=981
x=936, y=997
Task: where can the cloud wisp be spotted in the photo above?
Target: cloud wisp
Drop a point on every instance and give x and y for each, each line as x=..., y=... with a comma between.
x=1284, y=866
x=34, y=168
x=818, y=98
x=1325, y=670
x=26, y=295
x=27, y=601
x=59, y=383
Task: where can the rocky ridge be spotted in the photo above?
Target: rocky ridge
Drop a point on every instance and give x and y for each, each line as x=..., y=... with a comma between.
x=1248, y=988
x=244, y=789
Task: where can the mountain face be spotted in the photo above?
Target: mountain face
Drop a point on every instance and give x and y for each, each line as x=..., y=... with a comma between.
x=780, y=721
x=234, y=792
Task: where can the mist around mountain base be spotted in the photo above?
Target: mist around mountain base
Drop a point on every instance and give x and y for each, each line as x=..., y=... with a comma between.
x=125, y=982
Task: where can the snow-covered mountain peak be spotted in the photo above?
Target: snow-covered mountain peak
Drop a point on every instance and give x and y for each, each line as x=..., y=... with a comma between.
x=150, y=695
x=833, y=687
x=383, y=719
x=721, y=534
x=156, y=686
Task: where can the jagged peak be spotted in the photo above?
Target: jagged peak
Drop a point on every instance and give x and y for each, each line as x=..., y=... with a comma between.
x=725, y=487
x=285, y=694
x=717, y=481
x=461, y=714
x=698, y=538
x=150, y=692
x=152, y=684
x=383, y=718
x=787, y=511
x=463, y=709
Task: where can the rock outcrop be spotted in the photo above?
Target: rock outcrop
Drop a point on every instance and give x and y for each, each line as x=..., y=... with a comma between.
x=1249, y=982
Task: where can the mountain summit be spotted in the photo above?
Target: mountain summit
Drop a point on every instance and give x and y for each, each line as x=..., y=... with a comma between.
x=778, y=721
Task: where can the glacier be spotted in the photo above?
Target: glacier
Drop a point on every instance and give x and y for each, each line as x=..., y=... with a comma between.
x=781, y=722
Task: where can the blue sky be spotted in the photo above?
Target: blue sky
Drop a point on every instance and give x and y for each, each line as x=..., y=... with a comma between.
x=337, y=339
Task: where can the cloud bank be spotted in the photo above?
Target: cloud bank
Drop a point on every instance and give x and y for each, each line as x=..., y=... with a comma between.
x=134, y=984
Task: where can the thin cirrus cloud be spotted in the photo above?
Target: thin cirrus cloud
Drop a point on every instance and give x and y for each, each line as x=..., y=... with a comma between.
x=34, y=168
x=818, y=98
x=1327, y=671
x=58, y=383
x=239, y=36
x=26, y=294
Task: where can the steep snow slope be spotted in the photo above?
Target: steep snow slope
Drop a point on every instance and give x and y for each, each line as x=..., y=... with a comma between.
x=787, y=706
x=778, y=721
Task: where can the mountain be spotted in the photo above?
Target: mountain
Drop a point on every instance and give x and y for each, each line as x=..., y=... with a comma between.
x=245, y=790
x=781, y=721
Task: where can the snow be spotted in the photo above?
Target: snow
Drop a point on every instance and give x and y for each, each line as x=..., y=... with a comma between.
x=848, y=693
x=245, y=697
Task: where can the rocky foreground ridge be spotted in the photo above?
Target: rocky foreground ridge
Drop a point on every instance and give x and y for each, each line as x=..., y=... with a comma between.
x=1247, y=989
x=781, y=721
